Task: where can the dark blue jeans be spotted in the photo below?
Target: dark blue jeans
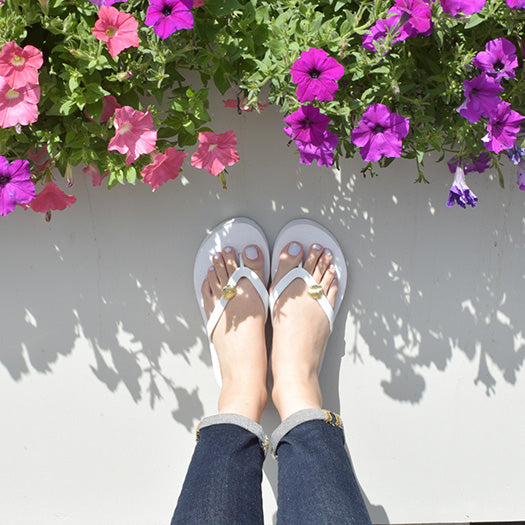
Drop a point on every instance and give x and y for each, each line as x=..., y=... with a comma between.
x=316, y=484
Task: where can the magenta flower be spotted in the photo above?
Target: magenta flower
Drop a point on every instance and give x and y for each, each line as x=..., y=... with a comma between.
x=498, y=60
x=516, y=4
x=502, y=128
x=380, y=132
x=106, y=2
x=307, y=124
x=316, y=75
x=467, y=7
x=482, y=97
x=521, y=177
x=168, y=16
x=478, y=164
x=15, y=184
x=323, y=153
x=391, y=28
x=418, y=16
x=459, y=192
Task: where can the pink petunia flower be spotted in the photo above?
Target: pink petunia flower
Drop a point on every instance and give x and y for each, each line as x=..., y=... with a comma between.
x=51, y=198
x=391, y=29
x=135, y=134
x=40, y=158
x=108, y=110
x=502, y=128
x=316, y=75
x=323, y=154
x=416, y=14
x=18, y=106
x=307, y=124
x=92, y=170
x=20, y=66
x=242, y=105
x=117, y=29
x=215, y=151
x=165, y=166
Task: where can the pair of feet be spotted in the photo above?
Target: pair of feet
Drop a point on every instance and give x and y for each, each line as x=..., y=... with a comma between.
x=300, y=332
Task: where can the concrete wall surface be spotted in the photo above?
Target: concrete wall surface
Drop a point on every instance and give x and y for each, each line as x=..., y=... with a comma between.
x=104, y=362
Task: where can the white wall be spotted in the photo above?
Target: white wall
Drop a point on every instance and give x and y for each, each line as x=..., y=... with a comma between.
x=104, y=365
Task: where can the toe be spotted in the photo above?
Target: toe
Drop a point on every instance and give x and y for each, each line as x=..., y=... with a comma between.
x=220, y=269
x=207, y=297
x=290, y=257
x=228, y=255
x=253, y=258
x=332, y=291
x=322, y=264
x=214, y=284
x=311, y=259
x=327, y=278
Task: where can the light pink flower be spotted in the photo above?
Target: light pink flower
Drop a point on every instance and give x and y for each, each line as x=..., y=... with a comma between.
x=165, y=166
x=92, y=170
x=18, y=106
x=197, y=3
x=215, y=151
x=108, y=110
x=116, y=28
x=135, y=134
x=20, y=66
x=51, y=198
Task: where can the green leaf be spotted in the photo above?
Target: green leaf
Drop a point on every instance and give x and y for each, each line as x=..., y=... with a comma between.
x=475, y=19
x=222, y=7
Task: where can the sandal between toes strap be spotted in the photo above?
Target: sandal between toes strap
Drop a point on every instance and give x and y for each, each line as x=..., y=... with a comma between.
x=306, y=232
x=238, y=233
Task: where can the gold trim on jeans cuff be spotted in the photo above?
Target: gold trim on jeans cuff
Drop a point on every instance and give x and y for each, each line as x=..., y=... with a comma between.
x=198, y=432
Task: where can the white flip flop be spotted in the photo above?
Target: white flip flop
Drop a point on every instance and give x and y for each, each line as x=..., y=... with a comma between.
x=307, y=232
x=238, y=233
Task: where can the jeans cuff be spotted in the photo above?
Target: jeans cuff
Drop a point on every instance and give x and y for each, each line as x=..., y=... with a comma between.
x=236, y=419
x=308, y=414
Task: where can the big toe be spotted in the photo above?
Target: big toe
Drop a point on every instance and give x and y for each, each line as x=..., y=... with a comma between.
x=291, y=256
x=253, y=258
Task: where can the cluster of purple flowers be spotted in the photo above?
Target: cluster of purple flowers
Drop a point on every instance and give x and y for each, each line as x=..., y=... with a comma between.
x=482, y=100
x=408, y=18
x=316, y=75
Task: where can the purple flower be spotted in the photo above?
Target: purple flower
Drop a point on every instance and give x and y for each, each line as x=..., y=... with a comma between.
x=106, y=2
x=515, y=154
x=516, y=4
x=467, y=7
x=482, y=97
x=307, y=124
x=316, y=75
x=459, y=192
x=418, y=16
x=479, y=163
x=498, y=60
x=521, y=177
x=383, y=29
x=380, y=132
x=168, y=16
x=502, y=128
x=15, y=184
x=323, y=154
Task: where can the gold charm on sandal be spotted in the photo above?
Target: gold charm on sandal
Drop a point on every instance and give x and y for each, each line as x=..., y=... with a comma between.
x=315, y=291
x=229, y=292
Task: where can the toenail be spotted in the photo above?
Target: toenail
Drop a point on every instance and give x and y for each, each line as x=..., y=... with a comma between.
x=332, y=267
x=217, y=256
x=228, y=249
x=327, y=252
x=212, y=268
x=251, y=252
x=294, y=249
x=316, y=246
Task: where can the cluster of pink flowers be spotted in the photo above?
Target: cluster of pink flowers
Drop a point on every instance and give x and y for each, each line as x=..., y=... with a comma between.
x=316, y=75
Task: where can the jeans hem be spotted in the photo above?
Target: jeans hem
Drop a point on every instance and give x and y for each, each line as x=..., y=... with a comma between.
x=238, y=420
x=299, y=417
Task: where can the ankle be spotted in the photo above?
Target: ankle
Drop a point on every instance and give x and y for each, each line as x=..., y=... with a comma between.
x=291, y=395
x=247, y=400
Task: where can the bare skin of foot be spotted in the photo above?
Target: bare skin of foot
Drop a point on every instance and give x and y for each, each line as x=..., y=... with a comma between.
x=300, y=330
x=239, y=336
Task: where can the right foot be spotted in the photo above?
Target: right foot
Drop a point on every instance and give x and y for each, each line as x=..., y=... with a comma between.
x=300, y=330
x=239, y=336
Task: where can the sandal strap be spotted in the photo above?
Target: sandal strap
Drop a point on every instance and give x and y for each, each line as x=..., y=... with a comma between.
x=239, y=273
x=301, y=273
